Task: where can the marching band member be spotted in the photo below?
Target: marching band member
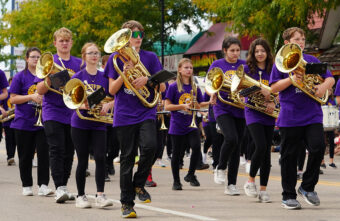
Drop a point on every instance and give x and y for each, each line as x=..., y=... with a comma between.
x=300, y=118
x=260, y=125
x=56, y=125
x=9, y=132
x=88, y=134
x=135, y=124
x=230, y=119
x=178, y=101
x=28, y=136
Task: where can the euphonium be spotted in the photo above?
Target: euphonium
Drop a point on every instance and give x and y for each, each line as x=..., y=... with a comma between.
x=119, y=42
x=9, y=115
x=242, y=81
x=75, y=94
x=46, y=66
x=288, y=59
x=216, y=81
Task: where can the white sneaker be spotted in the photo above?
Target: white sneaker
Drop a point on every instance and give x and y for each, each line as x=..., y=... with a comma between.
x=102, y=201
x=160, y=163
x=247, y=167
x=116, y=160
x=250, y=189
x=264, y=197
x=83, y=202
x=231, y=190
x=219, y=176
x=204, y=158
x=69, y=195
x=44, y=190
x=60, y=195
x=242, y=160
x=27, y=191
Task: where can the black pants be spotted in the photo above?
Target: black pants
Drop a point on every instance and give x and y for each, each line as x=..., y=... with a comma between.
x=301, y=156
x=58, y=137
x=131, y=137
x=262, y=136
x=83, y=140
x=10, y=142
x=217, y=140
x=208, y=139
x=330, y=136
x=232, y=130
x=27, y=142
x=112, y=146
x=312, y=134
x=161, y=139
x=179, y=143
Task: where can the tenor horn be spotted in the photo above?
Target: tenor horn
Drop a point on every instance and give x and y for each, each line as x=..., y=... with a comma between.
x=290, y=58
x=119, y=42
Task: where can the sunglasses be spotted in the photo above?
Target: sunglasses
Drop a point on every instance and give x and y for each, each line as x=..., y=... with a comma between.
x=135, y=34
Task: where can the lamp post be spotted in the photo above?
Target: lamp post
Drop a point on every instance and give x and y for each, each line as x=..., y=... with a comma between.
x=162, y=32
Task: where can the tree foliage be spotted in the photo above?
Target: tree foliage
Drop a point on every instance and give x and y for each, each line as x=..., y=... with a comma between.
x=96, y=20
x=267, y=18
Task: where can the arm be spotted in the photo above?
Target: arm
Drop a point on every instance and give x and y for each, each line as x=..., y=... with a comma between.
x=175, y=107
x=322, y=88
x=115, y=85
x=41, y=87
x=20, y=99
x=337, y=99
x=4, y=94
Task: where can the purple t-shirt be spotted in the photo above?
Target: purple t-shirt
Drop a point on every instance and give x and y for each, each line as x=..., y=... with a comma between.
x=297, y=108
x=95, y=82
x=229, y=70
x=25, y=114
x=3, y=80
x=53, y=104
x=180, y=120
x=6, y=104
x=251, y=115
x=128, y=109
x=337, y=89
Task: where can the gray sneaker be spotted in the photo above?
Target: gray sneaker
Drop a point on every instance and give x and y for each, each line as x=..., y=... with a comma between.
x=264, y=197
x=231, y=190
x=291, y=204
x=310, y=197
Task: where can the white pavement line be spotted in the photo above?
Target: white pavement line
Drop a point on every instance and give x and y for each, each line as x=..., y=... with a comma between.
x=192, y=216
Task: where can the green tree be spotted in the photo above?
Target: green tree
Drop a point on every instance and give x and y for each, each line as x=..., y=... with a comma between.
x=96, y=20
x=267, y=18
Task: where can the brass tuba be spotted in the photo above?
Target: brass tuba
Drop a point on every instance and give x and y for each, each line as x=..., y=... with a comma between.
x=242, y=81
x=119, y=42
x=290, y=58
x=74, y=95
x=46, y=66
x=216, y=81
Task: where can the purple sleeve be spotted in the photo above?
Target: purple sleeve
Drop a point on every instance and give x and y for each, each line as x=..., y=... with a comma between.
x=16, y=85
x=337, y=89
x=110, y=71
x=157, y=66
x=3, y=80
x=212, y=65
x=170, y=94
x=199, y=95
x=37, y=80
x=275, y=75
x=206, y=97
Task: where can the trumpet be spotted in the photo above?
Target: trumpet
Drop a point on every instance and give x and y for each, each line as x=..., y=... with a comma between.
x=38, y=111
x=161, y=112
x=194, y=101
x=119, y=42
x=290, y=58
x=46, y=66
x=9, y=115
x=75, y=94
x=216, y=81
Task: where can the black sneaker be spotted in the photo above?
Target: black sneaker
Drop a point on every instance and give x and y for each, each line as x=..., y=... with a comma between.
x=128, y=211
x=202, y=166
x=321, y=171
x=291, y=204
x=88, y=173
x=310, y=197
x=107, y=178
x=323, y=165
x=111, y=171
x=332, y=165
x=177, y=186
x=143, y=195
x=192, y=180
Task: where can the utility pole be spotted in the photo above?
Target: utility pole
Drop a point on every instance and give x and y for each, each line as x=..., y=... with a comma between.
x=162, y=32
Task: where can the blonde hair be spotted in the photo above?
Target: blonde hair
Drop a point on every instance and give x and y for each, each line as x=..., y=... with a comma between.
x=179, y=79
x=63, y=32
x=83, y=51
x=288, y=33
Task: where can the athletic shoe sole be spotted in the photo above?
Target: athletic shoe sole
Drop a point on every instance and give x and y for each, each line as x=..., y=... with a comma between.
x=62, y=198
x=130, y=215
x=290, y=207
x=306, y=199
